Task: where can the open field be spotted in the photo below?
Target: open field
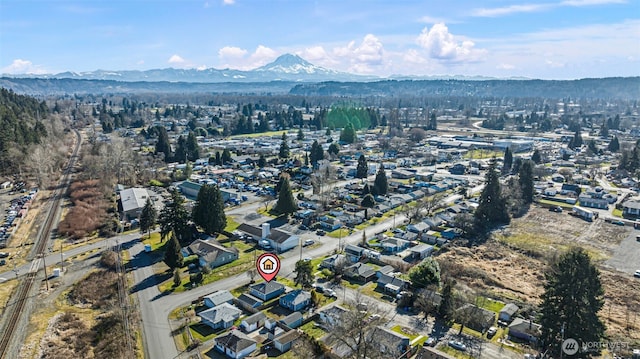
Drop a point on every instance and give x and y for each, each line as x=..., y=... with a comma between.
x=511, y=265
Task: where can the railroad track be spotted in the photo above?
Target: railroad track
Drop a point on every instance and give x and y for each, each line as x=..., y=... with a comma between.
x=15, y=311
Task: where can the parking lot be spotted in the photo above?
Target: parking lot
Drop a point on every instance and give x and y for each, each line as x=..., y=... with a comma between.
x=626, y=258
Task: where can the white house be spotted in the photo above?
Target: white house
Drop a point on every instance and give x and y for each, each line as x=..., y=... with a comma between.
x=221, y=316
x=235, y=344
x=253, y=322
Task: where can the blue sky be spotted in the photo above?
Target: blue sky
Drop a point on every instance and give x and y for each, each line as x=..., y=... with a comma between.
x=550, y=39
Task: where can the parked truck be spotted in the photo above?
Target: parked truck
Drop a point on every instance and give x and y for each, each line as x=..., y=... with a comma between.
x=584, y=213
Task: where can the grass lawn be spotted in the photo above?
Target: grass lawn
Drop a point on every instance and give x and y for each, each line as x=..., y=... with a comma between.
x=398, y=329
x=203, y=332
x=313, y=330
x=232, y=225
x=154, y=241
x=263, y=134
x=339, y=233
x=490, y=304
x=371, y=290
x=617, y=213
x=556, y=203
x=483, y=154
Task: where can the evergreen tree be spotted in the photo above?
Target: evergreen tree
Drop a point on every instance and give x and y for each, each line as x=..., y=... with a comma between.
x=614, y=145
x=174, y=218
x=304, y=274
x=433, y=122
x=327, y=132
x=334, y=149
x=181, y=150
x=381, y=184
x=148, y=217
x=536, y=157
x=317, y=154
x=284, y=147
x=193, y=150
x=508, y=160
x=368, y=201
x=300, y=136
x=592, y=147
x=226, y=156
x=172, y=254
x=208, y=211
x=604, y=130
x=445, y=310
x=492, y=208
x=366, y=190
x=262, y=161
x=163, y=146
x=362, y=170
x=286, y=203
x=571, y=301
x=218, y=159
x=425, y=273
x=177, y=280
x=525, y=179
x=348, y=134
x=576, y=140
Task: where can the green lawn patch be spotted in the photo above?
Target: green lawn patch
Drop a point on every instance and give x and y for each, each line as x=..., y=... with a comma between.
x=203, y=332
x=556, y=203
x=154, y=241
x=262, y=134
x=232, y=225
x=339, y=233
x=490, y=304
x=313, y=330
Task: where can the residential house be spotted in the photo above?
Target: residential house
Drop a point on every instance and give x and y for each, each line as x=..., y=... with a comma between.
x=332, y=314
x=252, y=231
x=333, y=260
x=419, y=227
x=282, y=241
x=478, y=319
x=386, y=270
x=246, y=300
x=296, y=300
x=631, y=209
x=235, y=344
x=292, y=320
x=360, y=272
x=210, y=253
x=216, y=298
x=132, y=200
x=266, y=290
x=588, y=201
x=274, y=328
x=353, y=253
x=421, y=251
x=391, y=342
x=450, y=233
x=431, y=353
x=394, y=245
x=221, y=316
x=392, y=284
x=507, y=312
x=284, y=341
x=525, y=330
x=253, y=322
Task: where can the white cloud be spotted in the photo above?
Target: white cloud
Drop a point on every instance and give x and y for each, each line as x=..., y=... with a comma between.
x=176, y=60
x=508, y=10
x=231, y=52
x=525, y=8
x=504, y=66
x=228, y=2
x=262, y=56
x=20, y=66
x=364, y=57
x=442, y=45
x=140, y=62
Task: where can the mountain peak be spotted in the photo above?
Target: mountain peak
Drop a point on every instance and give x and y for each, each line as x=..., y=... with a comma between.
x=292, y=64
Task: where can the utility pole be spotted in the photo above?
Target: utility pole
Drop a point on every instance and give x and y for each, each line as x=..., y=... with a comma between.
x=61, y=258
x=46, y=276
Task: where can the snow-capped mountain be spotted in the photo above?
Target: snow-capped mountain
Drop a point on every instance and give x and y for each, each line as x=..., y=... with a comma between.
x=287, y=67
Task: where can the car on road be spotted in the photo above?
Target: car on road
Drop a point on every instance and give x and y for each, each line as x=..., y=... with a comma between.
x=617, y=222
x=330, y=293
x=637, y=274
x=2, y=262
x=307, y=259
x=431, y=342
x=320, y=232
x=319, y=289
x=457, y=345
x=308, y=242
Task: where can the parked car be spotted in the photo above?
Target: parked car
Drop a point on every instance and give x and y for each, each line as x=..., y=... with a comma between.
x=4, y=254
x=2, y=262
x=320, y=232
x=491, y=332
x=556, y=209
x=431, y=342
x=308, y=242
x=457, y=345
x=637, y=274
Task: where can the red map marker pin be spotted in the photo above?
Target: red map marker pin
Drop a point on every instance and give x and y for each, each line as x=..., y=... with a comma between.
x=268, y=266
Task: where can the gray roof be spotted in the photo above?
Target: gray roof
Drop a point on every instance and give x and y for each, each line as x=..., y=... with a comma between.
x=510, y=309
x=631, y=204
x=267, y=287
x=296, y=296
x=250, y=300
x=421, y=248
x=291, y=318
x=224, y=312
x=287, y=337
x=249, y=229
x=219, y=297
x=133, y=199
x=255, y=318
x=209, y=249
x=235, y=340
x=525, y=326
x=360, y=269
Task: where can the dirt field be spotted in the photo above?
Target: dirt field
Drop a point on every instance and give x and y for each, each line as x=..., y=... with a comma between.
x=510, y=266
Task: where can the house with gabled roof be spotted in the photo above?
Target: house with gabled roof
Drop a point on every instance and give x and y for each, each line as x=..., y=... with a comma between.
x=221, y=316
x=284, y=341
x=235, y=344
x=295, y=300
x=266, y=290
x=253, y=322
x=216, y=298
x=211, y=253
x=360, y=272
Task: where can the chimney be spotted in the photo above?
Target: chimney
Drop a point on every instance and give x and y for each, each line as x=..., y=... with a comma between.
x=265, y=230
